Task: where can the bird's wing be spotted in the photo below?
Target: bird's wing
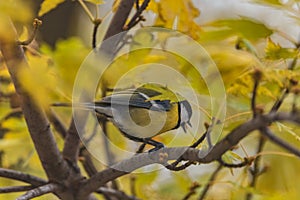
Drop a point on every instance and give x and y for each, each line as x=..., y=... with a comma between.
x=136, y=98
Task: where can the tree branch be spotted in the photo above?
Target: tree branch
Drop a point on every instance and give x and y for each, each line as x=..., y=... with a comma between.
x=209, y=184
x=40, y=132
x=269, y=134
x=190, y=154
x=20, y=176
x=256, y=170
x=39, y=191
x=119, y=19
x=116, y=27
x=16, y=188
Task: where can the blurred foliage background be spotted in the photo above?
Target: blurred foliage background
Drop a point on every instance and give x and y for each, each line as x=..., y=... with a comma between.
x=239, y=36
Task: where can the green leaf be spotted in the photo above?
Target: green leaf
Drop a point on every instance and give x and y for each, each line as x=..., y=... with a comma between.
x=275, y=51
x=244, y=27
x=49, y=5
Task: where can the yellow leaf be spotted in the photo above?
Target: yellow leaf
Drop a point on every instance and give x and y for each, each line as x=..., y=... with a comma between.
x=17, y=11
x=96, y=2
x=48, y=5
x=39, y=80
x=183, y=10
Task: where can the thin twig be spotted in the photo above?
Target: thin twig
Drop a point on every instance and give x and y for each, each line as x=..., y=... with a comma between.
x=36, y=24
x=87, y=10
x=279, y=101
x=235, y=165
x=96, y=22
x=273, y=138
x=14, y=113
x=39, y=191
x=192, y=191
x=293, y=64
x=210, y=182
x=87, y=162
x=256, y=77
x=256, y=171
x=137, y=16
x=57, y=124
x=173, y=166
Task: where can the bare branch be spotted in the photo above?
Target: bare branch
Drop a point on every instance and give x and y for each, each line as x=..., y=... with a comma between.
x=116, y=26
x=269, y=134
x=20, y=176
x=279, y=102
x=57, y=124
x=255, y=171
x=192, y=191
x=36, y=24
x=246, y=161
x=16, y=188
x=120, y=17
x=209, y=184
x=173, y=166
x=189, y=154
x=39, y=191
x=138, y=15
x=40, y=132
x=87, y=162
x=256, y=77
x=96, y=22
x=72, y=144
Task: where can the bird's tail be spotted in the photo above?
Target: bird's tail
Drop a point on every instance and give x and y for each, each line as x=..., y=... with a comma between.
x=99, y=108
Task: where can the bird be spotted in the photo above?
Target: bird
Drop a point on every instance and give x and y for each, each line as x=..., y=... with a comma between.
x=143, y=112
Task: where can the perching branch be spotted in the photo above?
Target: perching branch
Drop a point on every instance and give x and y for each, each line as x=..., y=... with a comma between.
x=188, y=154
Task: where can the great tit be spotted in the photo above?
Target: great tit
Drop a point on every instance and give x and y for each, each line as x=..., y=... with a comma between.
x=144, y=112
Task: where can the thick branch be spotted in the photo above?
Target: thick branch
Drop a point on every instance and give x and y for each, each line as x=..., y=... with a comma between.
x=16, y=189
x=190, y=154
x=116, y=27
x=39, y=191
x=16, y=175
x=36, y=120
x=119, y=19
